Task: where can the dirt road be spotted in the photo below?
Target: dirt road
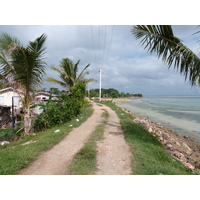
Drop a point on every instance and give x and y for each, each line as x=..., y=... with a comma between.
x=113, y=157
x=113, y=153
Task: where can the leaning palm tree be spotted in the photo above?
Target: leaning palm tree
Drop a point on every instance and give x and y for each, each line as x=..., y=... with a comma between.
x=22, y=69
x=161, y=40
x=68, y=73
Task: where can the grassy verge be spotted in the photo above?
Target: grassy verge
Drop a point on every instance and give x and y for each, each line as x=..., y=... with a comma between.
x=149, y=155
x=84, y=162
x=14, y=156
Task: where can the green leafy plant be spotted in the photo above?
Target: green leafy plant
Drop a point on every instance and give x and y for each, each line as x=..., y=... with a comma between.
x=62, y=110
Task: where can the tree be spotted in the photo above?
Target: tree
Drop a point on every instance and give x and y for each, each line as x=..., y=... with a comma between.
x=2, y=82
x=63, y=109
x=22, y=69
x=68, y=73
x=93, y=93
x=54, y=90
x=161, y=40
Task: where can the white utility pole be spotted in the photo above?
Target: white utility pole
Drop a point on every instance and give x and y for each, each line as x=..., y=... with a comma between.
x=100, y=84
x=88, y=90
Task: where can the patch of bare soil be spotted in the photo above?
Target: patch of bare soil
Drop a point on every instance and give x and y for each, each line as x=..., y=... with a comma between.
x=56, y=160
x=114, y=157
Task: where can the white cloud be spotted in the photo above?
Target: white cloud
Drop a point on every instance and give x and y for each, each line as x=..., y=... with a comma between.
x=127, y=66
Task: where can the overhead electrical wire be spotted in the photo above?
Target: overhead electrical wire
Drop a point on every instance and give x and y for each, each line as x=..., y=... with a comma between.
x=100, y=57
x=102, y=44
x=109, y=44
x=94, y=45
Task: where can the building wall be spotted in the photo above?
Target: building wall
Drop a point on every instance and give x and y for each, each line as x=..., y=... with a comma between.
x=6, y=98
x=42, y=97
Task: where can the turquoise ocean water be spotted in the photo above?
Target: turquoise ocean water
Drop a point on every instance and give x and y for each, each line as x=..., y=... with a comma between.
x=178, y=113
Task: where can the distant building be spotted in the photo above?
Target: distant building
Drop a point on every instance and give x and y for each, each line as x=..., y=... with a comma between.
x=44, y=96
x=7, y=94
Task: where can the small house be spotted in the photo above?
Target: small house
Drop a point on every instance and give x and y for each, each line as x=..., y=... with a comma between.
x=44, y=96
x=6, y=96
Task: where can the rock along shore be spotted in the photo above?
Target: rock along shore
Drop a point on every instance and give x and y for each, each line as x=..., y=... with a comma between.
x=182, y=148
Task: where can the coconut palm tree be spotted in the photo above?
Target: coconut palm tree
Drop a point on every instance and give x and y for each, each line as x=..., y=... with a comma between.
x=22, y=69
x=68, y=73
x=161, y=40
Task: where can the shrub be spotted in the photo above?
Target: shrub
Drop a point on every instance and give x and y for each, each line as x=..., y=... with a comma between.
x=64, y=109
x=6, y=134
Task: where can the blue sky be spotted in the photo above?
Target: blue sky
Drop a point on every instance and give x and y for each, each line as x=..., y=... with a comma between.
x=127, y=67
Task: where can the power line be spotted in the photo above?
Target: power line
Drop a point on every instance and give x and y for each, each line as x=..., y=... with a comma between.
x=93, y=45
x=110, y=44
x=100, y=56
x=104, y=50
x=99, y=44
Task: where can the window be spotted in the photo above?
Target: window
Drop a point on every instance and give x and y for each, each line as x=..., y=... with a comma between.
x=2, y=100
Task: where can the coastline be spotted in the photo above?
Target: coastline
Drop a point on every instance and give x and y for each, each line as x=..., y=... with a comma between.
x=183, y=149
x=123, y=100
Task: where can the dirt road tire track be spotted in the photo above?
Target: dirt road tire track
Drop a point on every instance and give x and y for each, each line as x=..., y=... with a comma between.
x=113, y=157
x=56, y=160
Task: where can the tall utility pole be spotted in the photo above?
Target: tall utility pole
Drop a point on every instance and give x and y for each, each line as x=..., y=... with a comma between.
x=100, y=70
x=88, y=90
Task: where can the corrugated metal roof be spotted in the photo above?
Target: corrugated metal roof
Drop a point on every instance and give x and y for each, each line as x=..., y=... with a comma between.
x=5, y=89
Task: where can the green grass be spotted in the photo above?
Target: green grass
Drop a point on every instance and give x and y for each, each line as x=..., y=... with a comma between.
x=149, y=155
x=12, y=160
x=84, y=162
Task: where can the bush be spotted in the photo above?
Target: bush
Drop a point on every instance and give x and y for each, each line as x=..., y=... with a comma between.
x=6, y=134
x=64, y=109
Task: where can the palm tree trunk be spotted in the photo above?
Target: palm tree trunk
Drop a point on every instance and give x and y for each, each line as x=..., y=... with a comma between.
x=27, y=117
x=27, y=123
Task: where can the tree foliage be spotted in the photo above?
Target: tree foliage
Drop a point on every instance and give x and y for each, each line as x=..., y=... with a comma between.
x=22, y=68
x=111, y=93
x=61, y=110
x=161, y=40
x=68, y=74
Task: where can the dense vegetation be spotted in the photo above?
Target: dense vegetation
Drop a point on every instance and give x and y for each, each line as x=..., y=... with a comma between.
x=15, y=156
x=111, y=93
x=22, y=68
x=61, y=110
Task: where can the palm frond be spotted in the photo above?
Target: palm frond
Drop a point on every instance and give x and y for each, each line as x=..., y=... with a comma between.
x=38, y=44
x=53, y=80
x=89, y=80
x=68, y=73
x=76, y=69
x=7, y=42
x=160, y=39
x=56, y=69
x=81, y=75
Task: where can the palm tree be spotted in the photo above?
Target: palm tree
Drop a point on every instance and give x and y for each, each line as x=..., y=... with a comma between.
x=161, y=40
x=68, y=73
x=22, y=69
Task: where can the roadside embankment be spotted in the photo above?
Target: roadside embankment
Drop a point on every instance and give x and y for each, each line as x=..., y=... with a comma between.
x=149, y=154
x=181, y=148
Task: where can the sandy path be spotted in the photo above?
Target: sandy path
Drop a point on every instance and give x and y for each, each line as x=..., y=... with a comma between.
x=56, y=160
x=114, y=157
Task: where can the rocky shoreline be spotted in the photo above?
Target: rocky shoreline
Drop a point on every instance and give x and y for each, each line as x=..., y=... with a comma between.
x=182, y=148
